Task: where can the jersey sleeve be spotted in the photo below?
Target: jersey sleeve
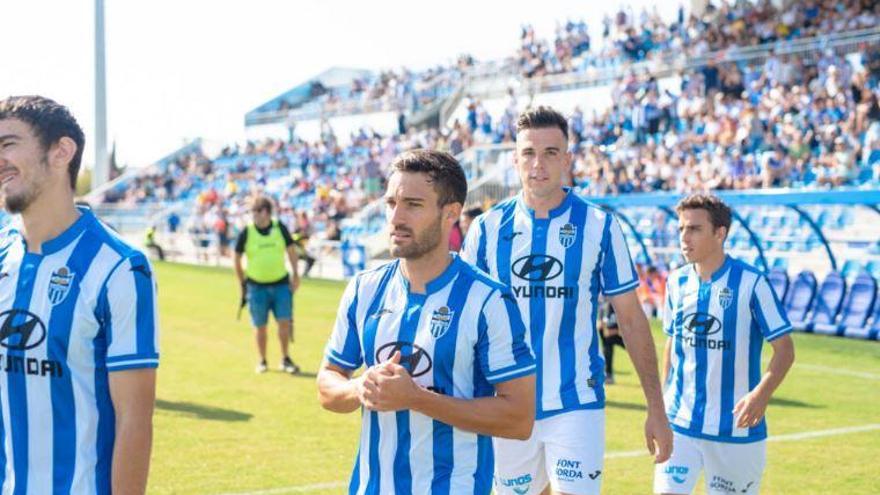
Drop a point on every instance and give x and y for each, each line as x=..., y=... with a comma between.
x=502, y=350
x=473, y=250
x=668, y=310
x=618, y=274
x=288, y=239
x=241, y=241
x=768, y=311
x=344, y=347
x=128, y=315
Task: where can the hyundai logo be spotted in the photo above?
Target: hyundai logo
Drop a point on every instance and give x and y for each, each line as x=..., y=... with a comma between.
x=412, y=357
x=701, y=324
x=537, y=268
x=21, y=330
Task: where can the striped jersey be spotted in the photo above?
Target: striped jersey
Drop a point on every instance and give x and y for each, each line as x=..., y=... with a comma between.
x=460, y=338
x=556, y=268
x=83, y=308
x=718, y=328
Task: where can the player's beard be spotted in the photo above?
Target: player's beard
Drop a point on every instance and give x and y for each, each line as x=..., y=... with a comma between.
x=21, y=200
x=421, y=243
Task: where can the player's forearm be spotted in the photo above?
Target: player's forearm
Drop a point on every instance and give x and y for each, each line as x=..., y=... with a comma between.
x=131, y=454
x=294, y=260
x=239, y=270
x=498, y=416
x=337, y=393
x=637, y=336
x=780, y=363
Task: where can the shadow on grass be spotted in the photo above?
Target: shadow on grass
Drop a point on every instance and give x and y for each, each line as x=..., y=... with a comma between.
x=629, y=406
x=779, y=401
x=305, y=374
x=202, y=412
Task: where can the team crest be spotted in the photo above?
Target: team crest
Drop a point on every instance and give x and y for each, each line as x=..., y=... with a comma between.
x=725, y=297
x=567, y=234
x=59, y=285
x=440, y=321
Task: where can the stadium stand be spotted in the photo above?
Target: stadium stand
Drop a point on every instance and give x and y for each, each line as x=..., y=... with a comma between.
x=743, y=97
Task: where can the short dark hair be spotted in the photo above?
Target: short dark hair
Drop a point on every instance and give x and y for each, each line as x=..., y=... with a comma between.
x=443, y=169
x=719, y=213
x=49, y=122
x=262, y=203
x=541, y=118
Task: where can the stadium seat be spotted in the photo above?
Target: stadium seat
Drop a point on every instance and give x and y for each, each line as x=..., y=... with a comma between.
x=870, y=330
x=799, y=299
x=859, y=305
x=850, y=267
x=779, y=281
x=828, y=303
x=873, y=267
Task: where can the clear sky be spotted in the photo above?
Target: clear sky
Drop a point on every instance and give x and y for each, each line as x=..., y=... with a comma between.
x=180, y=69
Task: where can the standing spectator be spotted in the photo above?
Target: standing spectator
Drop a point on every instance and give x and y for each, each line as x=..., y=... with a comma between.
x=265, y=280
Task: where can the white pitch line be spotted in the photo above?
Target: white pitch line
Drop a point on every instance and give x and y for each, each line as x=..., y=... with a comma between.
x=788, y=437
x=837, y=371
x=295, y=489
x=806, y=435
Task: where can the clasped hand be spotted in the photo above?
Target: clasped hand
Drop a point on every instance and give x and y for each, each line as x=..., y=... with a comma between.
x=387, y=387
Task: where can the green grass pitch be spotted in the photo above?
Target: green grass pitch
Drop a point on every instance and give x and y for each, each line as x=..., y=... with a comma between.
x=222, y=429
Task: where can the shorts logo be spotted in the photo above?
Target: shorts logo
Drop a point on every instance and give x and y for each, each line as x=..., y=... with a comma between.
x=519, y=485
x=567, y=235
x=570, y=470
x=59, y=285
x=720, y=484
x=725, y=297
x=679, y=473
x=440, y=321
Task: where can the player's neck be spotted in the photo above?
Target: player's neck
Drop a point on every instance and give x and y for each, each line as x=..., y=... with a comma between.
x=45, y=220
x=419, y=271
x=708, y=267
x=542, y=205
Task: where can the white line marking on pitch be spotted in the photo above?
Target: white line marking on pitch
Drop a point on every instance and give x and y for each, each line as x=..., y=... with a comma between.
x=788, y=437
x=837, y=371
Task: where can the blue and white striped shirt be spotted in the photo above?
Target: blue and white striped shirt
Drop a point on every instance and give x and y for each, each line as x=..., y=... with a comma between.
x=557, y=267
x=718, y=329
x=460, y=338
x=69, y=316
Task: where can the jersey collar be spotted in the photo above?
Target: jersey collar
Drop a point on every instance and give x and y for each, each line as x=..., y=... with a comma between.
x=438, y=283
x=718, y=273
x=555, y=212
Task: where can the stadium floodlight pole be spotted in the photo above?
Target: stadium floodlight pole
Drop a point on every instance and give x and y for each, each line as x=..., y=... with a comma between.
x=101, y=171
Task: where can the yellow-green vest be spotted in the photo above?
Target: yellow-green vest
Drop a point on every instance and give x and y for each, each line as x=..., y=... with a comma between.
x=265, y=254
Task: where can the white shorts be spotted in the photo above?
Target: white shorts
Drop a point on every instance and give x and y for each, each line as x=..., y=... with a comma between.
x=730, y=467
x=565, y=450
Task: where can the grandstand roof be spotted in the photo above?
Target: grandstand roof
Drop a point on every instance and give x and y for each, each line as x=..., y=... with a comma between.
x=333, y=77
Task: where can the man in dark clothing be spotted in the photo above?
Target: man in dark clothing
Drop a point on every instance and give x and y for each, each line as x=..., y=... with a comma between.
x=610, y=334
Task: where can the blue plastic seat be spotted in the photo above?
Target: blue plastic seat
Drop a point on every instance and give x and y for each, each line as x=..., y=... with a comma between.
x=829, y=301
x=799, y=299
x=858, y=307
x=779, y=282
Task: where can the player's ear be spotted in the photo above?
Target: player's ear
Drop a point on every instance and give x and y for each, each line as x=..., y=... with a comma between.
x=452, y=211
